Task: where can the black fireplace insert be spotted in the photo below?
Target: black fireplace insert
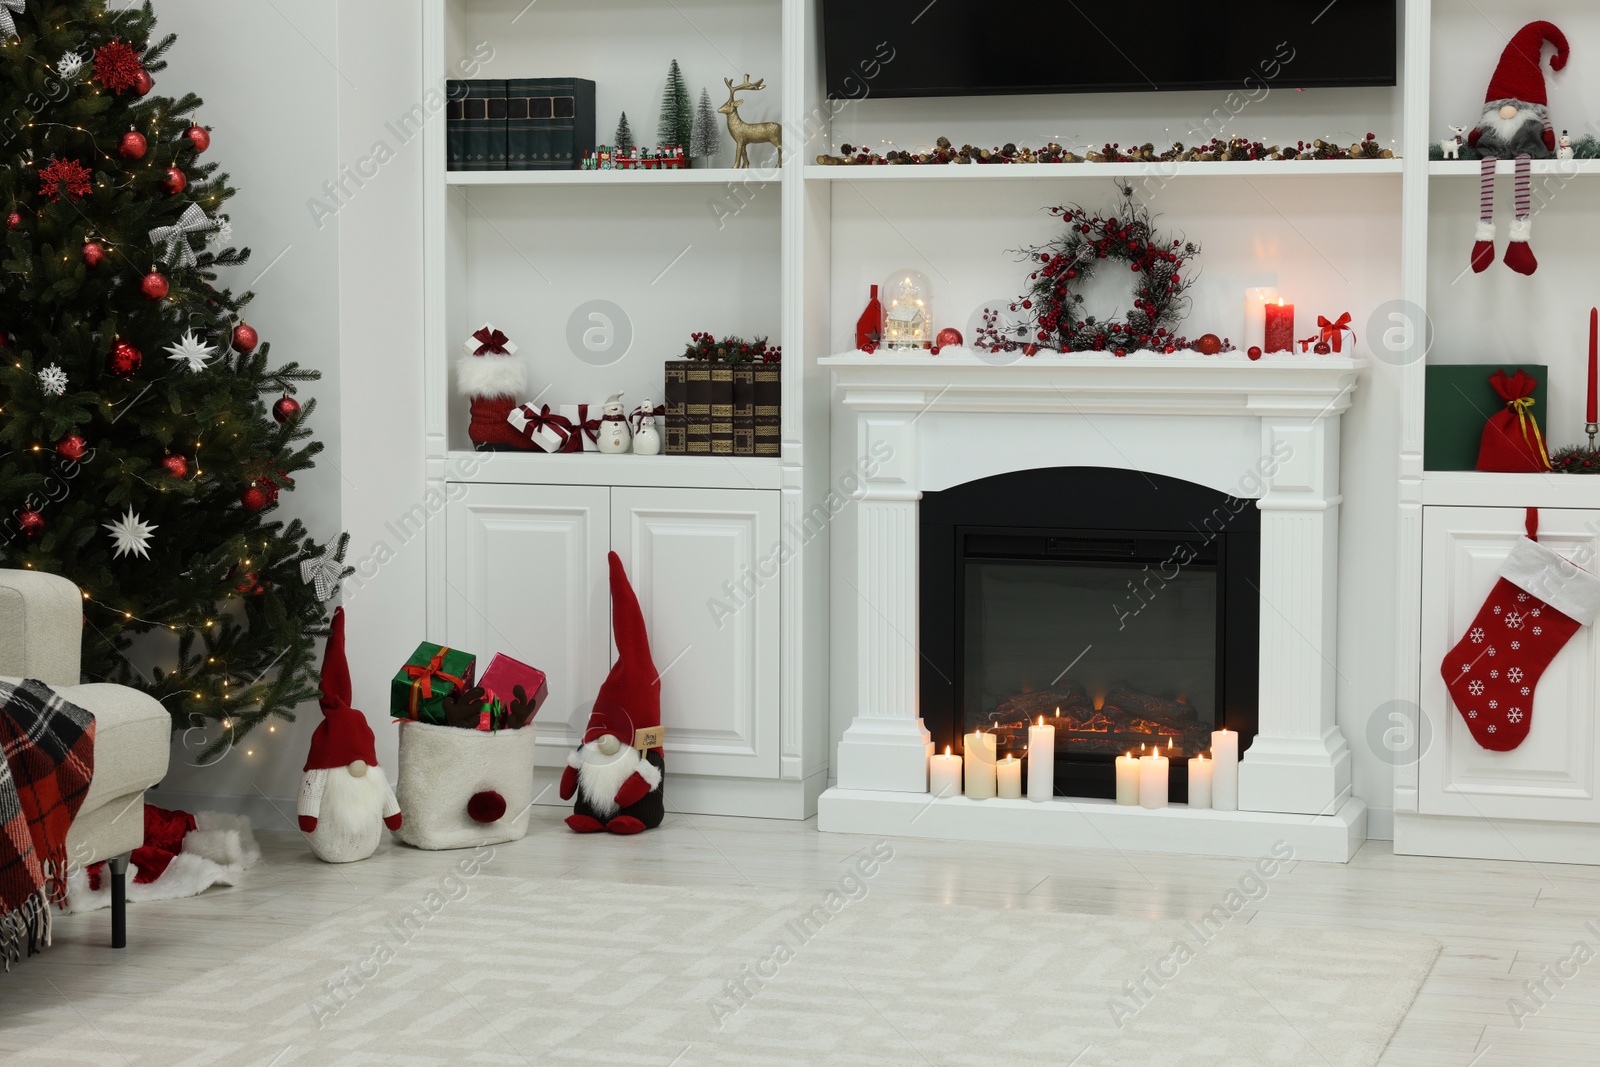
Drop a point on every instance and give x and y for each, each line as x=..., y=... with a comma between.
x=1121, y=607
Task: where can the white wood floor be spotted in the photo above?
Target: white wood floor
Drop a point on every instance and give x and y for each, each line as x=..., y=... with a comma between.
x=1499, y=922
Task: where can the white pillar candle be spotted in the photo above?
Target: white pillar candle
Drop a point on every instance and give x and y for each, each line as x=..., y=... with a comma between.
x=1199, y=781
x=1041, y=761
x=1127, y=779
x=944, y=774
x=1225, y=770
x=1153, y=780
x=979, y=764
x=1008, y=772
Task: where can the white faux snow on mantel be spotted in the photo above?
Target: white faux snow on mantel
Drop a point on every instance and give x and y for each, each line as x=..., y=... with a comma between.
x=1266, y=430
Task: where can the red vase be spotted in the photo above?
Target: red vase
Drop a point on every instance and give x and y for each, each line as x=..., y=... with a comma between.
x=869, y=327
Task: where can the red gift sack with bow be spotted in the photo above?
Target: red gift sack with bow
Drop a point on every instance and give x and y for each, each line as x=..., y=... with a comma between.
x=1511, y=438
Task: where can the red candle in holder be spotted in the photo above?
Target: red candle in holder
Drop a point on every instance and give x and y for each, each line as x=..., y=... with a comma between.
x=1594, y=344
x=1280, y=327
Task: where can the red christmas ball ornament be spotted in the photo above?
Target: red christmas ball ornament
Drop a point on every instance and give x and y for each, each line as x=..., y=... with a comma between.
x=94, y=254
x=13, y=220
x=286, y=408
x=870, y=347
x=949, y=336
x=245, y=338
x=175, y=181
x=177, y=466
x=31, y=523
x=199, y=137
x=72, y=447
x=1030, y=349
x=1208, y=345
x=143, y=83
x=124, y=360
x=154, y=286
x=1120, y=353
x=1322, y=348
x=933, y=350
x=1169, y=349
x=254, y=498
x=1255, y=352
x=133, y=145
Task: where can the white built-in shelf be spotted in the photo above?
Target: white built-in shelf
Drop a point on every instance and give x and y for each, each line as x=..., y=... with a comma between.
x=1486, y=489
x=709, y=176
x=1307, y=168
x=593, y=468
x=1471, y=168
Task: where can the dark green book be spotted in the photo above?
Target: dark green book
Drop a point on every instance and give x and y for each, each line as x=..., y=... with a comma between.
x=769, y=409
x=484, y=126
x=744, y=409
x=455, y=125
x=1458, y=400
x=549, y=123
x=675, y=380
x=697, y=407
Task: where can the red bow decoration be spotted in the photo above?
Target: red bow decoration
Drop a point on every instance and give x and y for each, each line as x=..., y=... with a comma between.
x=1333, y=332
x=586, y=424
x=422, y=678
x=545, y=419
x=491, y=342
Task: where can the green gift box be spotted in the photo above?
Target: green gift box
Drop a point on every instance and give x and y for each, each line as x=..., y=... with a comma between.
x=432, y=673
x=1458, y=401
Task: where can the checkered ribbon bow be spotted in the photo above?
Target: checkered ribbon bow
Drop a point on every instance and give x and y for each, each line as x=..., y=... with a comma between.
x=176, y=238
x=8, y=26
x=323, y=572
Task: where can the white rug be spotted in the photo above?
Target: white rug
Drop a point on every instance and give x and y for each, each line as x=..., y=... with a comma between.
x=482, y=970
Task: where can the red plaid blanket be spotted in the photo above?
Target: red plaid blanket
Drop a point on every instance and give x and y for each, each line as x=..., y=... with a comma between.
x=48, y=750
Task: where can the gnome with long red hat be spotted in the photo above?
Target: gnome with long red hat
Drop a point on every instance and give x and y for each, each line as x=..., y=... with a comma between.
x=616, y=773
x=1515, y=125
x=345, y=801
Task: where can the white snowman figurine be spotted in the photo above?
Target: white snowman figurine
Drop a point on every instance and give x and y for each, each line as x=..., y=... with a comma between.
x=1564, y=146
x=646, y=438
x=614, y=436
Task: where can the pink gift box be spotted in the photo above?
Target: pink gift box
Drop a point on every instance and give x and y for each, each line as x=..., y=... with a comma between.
x=504, y=674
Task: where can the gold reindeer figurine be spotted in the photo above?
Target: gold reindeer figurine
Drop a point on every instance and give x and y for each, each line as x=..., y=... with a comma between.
x=745, y=133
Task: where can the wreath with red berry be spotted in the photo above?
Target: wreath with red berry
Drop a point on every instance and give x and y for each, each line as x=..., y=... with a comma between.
x=1052, y=312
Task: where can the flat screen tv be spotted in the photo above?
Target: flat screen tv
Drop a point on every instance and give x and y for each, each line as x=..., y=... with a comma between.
x=898, y=48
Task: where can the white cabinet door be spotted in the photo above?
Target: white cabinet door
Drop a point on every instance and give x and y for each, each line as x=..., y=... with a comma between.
x=527, y=577
x=1552, y=775
x=704, y=563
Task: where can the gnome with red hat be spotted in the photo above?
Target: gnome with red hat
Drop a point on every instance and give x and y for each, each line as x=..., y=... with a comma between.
x=345, y=801
x=1515, y=125
x=616, y=773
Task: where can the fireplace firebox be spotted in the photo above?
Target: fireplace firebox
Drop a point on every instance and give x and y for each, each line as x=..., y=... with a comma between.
x=1121, y=607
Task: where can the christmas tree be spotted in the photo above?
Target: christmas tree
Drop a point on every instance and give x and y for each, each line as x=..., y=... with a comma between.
x=676, y=124
x=706, y=140
x=622, y=140
x=137, y=454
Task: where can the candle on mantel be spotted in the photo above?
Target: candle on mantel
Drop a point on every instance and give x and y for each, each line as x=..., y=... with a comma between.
x=1127, y=779
x=1153, y=780
x=1593, y=410
x=1199, y=781
x=1009, y=773
x=1255, y=316
x=1280, y=327
x=1224, y=770
x=944, y=774
x=1042, y=760
x=978, y=762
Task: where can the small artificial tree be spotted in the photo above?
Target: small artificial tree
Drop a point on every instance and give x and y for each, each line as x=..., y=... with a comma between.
x=137, y=454
x=622, y=140
x=706, y=140
x=676, y=126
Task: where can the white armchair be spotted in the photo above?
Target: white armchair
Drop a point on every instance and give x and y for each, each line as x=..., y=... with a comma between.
x=41, y=636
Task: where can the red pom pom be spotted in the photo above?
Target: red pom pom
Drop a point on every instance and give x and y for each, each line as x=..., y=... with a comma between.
x=486, y=806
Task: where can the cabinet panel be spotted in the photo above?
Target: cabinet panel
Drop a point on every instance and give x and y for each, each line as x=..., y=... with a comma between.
x=527, y=576
x=1552, y=775
x=696, y=558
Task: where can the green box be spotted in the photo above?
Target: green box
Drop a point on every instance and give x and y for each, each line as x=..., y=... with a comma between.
x=433, y=672
x=1459, y=400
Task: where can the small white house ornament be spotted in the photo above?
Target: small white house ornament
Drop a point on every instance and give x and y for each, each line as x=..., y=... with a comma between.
x=906, y=315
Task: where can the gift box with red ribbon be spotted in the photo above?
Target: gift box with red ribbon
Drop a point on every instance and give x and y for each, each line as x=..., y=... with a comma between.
x=565, y=428
x=429, y=675
x=1329, y=337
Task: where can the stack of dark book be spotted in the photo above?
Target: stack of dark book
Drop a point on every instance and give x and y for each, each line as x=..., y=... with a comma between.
x=519, y=123
x=725, y=398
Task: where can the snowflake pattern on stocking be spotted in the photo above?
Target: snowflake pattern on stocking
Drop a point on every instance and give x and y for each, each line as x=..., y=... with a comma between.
x=1514, y=620
x=1537, y=630
x=1493, y=704
x=1491, y=728
x=1472, y=715
x=1514, y=715
x=1475, y=687
x=1514, y=674
x=1475, y=635
x=1515, y=645
x=1526, y=691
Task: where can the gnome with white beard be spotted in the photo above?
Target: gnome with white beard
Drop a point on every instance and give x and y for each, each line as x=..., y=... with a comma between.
x=345, y=801
x=616, y=773
x=1515, y=125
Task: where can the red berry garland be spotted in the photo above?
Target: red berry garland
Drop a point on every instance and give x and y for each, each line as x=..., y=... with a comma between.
x=117, y=67
x=64, y=176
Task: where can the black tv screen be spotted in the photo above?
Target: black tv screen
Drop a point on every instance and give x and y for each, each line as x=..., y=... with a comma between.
x=896, y=48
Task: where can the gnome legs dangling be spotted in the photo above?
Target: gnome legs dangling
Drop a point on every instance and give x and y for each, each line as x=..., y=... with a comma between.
x=345, y=800
x=615, y=774
x=1515, y=125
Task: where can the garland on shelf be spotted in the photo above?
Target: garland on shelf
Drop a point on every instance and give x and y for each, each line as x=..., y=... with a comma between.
x=1213, y=151
x=731, y=349
x=1052, y=312
x=1582, y=148
x=1578, y=459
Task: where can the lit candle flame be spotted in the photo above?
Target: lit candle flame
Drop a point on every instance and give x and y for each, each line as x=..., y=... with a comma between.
x=947, y=750
x=1041, y=720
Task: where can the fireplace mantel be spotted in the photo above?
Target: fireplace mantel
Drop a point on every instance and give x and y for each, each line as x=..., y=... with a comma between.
x=1266, y=430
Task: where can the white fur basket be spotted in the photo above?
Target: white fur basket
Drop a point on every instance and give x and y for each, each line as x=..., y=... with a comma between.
x=442, y=767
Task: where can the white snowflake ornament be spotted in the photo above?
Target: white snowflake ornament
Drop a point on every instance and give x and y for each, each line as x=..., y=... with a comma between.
x=189, y=350
x=53, y=380
x=221, y=236
x=131, y=535
x=69, y=64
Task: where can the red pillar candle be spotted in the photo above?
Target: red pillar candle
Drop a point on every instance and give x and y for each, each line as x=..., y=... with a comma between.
x=1280, y=327
x=1594, y=342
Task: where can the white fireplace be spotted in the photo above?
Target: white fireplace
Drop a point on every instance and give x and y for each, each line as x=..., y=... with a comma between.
x=1267, y=431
